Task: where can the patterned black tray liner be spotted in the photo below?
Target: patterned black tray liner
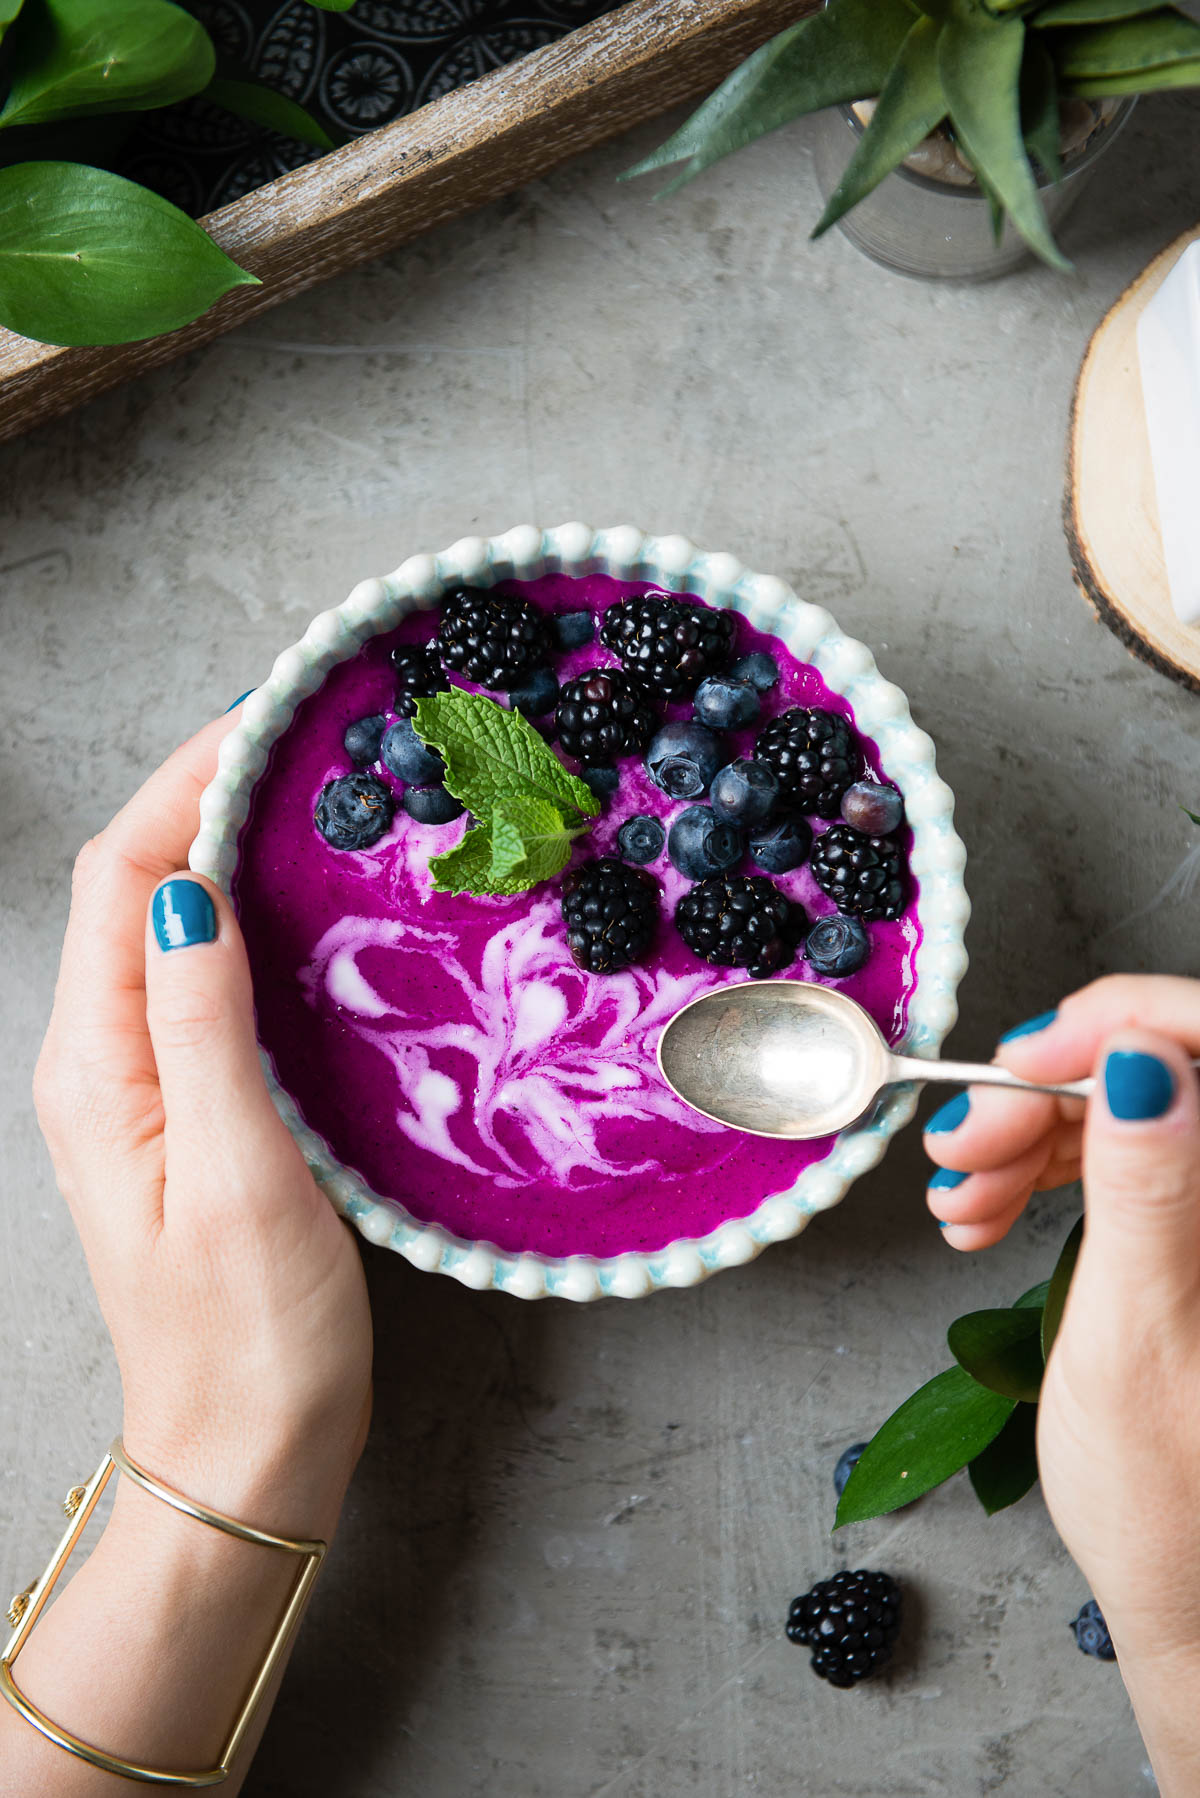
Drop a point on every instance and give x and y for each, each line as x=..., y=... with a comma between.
x=353, y=71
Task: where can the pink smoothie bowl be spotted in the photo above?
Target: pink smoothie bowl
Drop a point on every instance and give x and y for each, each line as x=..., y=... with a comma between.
x=881, y=714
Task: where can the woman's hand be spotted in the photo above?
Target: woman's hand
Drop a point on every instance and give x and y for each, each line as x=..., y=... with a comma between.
x=234, y=1294
x=1119, y=1415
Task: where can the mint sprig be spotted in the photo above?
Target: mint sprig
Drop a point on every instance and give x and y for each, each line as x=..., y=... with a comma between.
x=528, y=808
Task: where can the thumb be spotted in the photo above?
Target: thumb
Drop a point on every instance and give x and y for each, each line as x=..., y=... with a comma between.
x=1141, y=1168
x=220, y=1120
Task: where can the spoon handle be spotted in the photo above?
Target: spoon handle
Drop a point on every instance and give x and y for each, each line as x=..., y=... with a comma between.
x=985, y=1073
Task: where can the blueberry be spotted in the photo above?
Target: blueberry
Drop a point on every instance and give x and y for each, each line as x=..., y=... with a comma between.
x=1091, y=1633
x=726, y=704
x=837, y=946
x=574, y=629
x=744, y=792
x=699, y=844
x=873, y=809
x=682, y=759
x=602, y=781
x=783, y=845
x=847, y=1462
x=641, y=839
x=406, y=756
x=760, y=669
x=431, y=805
x=354, y=811
x=362, y=739
x=537, y=693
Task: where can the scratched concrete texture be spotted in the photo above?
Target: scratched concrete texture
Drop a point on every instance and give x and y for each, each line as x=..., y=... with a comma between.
x=567, y=1557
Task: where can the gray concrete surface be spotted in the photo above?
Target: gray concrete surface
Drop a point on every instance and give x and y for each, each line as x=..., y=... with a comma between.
x=567, y=1557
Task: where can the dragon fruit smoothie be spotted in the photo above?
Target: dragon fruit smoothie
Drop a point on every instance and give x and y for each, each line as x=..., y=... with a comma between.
x=447, y=1047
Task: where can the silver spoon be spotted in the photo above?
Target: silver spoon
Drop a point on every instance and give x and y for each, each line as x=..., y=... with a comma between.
x=790, y=1058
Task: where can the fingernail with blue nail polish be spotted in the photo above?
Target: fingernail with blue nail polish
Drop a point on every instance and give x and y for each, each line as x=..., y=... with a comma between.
x=949, y=1117
x=183, y=915
x=1030, y=1027
x=237, y=702
x=1138, y=1087
x=943, y=1223
x=946, y=1179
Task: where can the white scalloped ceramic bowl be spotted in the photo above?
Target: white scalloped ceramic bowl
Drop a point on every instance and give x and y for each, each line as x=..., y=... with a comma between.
x=880, y=710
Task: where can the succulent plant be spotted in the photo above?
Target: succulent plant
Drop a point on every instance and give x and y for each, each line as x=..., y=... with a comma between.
x=994, y=72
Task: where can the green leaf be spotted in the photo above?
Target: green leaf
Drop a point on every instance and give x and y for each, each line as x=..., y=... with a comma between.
x=911, y=103
x=1191, y=815
x=1148, y=81
x=8, y=11
x=492, y=754
x=467, y=868
x=74, y=57
x=937, y=1431
x=1127, y=47
x=1040, y=124
x=264, y=106
x=332, y=5
x=1060, y=1281
x=1090, y=12
x=89, y=258
x=1007, y=1467
x=1035, y=1298
x=980, y=62
x=843, y=52
x=1000, y=1349
x=530, y=838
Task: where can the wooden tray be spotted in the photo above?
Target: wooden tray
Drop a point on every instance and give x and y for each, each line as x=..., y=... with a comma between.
x=1110, y=511
x=457, y=153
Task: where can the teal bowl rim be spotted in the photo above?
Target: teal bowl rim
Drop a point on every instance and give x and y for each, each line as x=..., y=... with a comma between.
x=880, y=709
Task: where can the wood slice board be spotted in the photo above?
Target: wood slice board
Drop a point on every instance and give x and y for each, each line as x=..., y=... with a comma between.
x=1110, y=510
x=459, y=152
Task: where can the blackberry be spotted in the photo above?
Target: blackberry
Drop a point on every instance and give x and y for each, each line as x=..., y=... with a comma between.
x=861, y=874
x=493, y=639
x=815, y=757
x=603, y=714
x=670, y=643
x=740, y=921
x=610, y=911
x=354, y=811
x=850, y=1622
x=418, y=675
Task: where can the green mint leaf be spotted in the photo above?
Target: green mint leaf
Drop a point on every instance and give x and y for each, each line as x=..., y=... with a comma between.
x=945, y=1424
x=529, y=837
x=467, y=868
x=493, y=754
x=1007, y=1467
x=72, y=57
x=90, y=258
x=1035, y=1298
x=1060, y=1281
x=1192, y=815
x=1000, y=1349
x=265, y=106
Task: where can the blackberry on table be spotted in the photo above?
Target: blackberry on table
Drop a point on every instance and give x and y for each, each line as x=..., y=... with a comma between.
x=419, y=674
x=354, y=811
x=603, y=714
x=670, y=643
x=493, y=639
x=610, y=910
x=741, y=921
x=850, y=1622
x=815, y=757
x=861, y=874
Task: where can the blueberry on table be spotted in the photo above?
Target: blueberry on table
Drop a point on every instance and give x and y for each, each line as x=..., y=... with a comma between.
x=815, y=755
x=726, y=704
x=740, y=921
x=848, y=1460
x=1091, y=1633
x=641, y=839
x=850, y=1622
x=363, y=738
x=354, y=811
x=837, y=946
x=537, y=693
x=605, y=713
x=573, y=629
x=611, y=912
x=760, y=669
x=602, y=781
x=744, y=792
x=683, y=758
x=431, y=805
x=699, y=844
x=859, y=873
x=781, y=845
x=404, y=755
x=875, y=809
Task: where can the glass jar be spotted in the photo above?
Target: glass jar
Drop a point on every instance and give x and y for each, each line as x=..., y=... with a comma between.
x=935, y=228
